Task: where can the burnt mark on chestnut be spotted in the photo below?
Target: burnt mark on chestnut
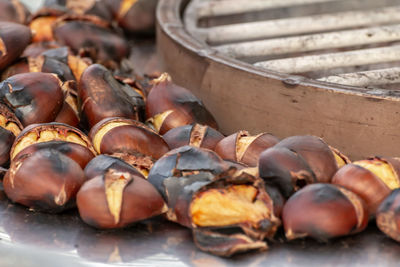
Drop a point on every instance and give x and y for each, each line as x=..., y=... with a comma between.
x=387, y=216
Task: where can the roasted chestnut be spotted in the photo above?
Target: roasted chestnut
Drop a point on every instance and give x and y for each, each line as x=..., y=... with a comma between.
x=387, y=215
x=371, y=179
x=134, y=16
x=13, y=11
x=69, y=113
x=193, y=135
x=34, y=97
x=81, y=147
x=169, y=106
x=36, y=49
x=100, y=164
x=129, y=140
x=102, y=97
x=14, y=38
x=285, y=169
x=323, y=211
x=117, y=199
x=87, y=35
x=323, y=160
x=10, y=127
x=45, y=180
x=245, y=148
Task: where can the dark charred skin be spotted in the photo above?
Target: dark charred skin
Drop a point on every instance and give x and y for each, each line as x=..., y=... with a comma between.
x=316, y=153
x=140, y=200
x=387, y=216
x=285, y=169
x=277, y=199
x=9, y=128
x=184, y=107
x=13, y=11
x=34, y=97
x=6, y=140
x=184, y=160
x=45, y=180
x=225, y=245
x=364, y=183
x=88, y=7
x=36, y=49
x=62, y=129
x=228, y=147
x=102, y=97
x=78, y=153
x=20, y=66
x=194, y=135
x=100, y=164
x=14, y=38
x=132, y=138
x=323, y=211
x=85, y=36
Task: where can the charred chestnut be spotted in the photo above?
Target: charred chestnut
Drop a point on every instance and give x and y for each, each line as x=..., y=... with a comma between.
x=14, y=38
x=129, y=140
x=13, y=11
x=10, y=127
x=45, y=180
x=245, y=148
x=323, y=160
x=92, y=37
x=371, y=179
x=34, y=97
x=387, y=215
x=285, y=169
x=323, y=211
x=193, y=135
x=102, y=97
x=69, y=113
x=117, y=199
x=100, y=164
x=169, y=106
x=49, y=132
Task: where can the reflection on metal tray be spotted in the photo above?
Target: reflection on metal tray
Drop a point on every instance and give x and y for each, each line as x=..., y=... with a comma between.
x=37, y=239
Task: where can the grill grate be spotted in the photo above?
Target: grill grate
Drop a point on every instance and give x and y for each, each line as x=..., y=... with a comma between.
x=345, y=42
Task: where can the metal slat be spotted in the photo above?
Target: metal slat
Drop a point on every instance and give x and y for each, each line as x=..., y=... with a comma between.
x=300, y=25
x=366, y=78
x=312, y=42
x=228, y=7
x=333, y=60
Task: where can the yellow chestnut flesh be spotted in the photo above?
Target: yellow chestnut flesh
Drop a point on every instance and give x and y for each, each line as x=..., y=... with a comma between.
x=381, y=169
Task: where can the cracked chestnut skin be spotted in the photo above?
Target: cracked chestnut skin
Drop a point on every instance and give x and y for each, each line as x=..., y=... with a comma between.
x=193, y=135
x=324, y=211
x=169, y=106
x=129, y=140
x=100, y=164
x=370, y=186
x=231, y=148
x=45, y=181
x=13, y=11
x=34, y=97
x=131, y=199
x=388, y=217
x=65, y=138
x=91, y=36
x=14, y=38
x=10, y=127
x=102, y=96
x=323, y=160
x=285, y=169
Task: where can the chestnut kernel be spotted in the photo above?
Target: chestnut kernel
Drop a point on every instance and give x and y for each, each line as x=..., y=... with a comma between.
x=285, y=169
x=387, y=215
x=322, y=159
x=45, y=180
x=103, y=97
x=245, y=148
x=323, y=211
x=193, y=135
x=10, y=127
x=169, y=106
x=117, y=199
x=34, y=97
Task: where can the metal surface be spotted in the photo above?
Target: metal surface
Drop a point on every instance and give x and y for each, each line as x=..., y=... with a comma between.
x=36, y=239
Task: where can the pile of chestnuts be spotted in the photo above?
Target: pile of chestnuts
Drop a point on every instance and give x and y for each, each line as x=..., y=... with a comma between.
x=79, y=131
